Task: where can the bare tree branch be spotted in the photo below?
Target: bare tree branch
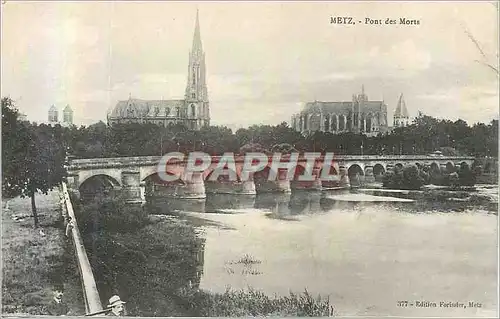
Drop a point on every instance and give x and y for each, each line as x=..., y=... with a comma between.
x=481, y=51
x=471, y=37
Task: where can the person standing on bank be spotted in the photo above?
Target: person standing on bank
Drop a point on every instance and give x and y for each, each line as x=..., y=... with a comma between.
x=116, y=305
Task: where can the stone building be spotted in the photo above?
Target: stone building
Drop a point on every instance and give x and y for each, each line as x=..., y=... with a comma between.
x=68, y=115
x=193, y=111
x=401, y=117
x=67, y=119
x=53, y=115
x=360, y=115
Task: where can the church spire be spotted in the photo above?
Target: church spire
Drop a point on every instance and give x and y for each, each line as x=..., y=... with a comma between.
x=196, y=89
x=197, y=47
x=401, y=110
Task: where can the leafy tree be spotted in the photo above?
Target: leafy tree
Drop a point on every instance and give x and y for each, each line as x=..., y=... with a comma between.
x=32, y=157
x=425, y=135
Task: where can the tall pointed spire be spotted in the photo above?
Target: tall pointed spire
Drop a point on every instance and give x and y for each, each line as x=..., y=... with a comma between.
x=196, y=89
x=401, y=110
x=197, y=47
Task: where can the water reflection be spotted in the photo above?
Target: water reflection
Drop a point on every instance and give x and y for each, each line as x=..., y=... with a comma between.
x=289, y=206
x=279, y=205
x=350, y=250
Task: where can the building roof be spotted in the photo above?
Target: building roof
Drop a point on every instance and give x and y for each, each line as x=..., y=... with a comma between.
x=145, y=108
x=53, y=108
x=342, y=107
x=401, y=110
x=67, y=108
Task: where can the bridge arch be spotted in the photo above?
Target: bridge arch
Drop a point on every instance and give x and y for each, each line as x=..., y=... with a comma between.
x=434, y=167
x=464, y=165
x=487, y=167
x=331, y=170
x=103, y=178
x=378, y=171
x=263, y=174
x=356, y=174
x=155, y=178
x=99, y=184
x=450, y=167
x=222, y=178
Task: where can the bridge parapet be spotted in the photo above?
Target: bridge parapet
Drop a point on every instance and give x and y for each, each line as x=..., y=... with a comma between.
x=111, y=162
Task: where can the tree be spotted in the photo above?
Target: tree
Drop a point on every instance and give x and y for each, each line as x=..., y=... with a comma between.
x=32, y=157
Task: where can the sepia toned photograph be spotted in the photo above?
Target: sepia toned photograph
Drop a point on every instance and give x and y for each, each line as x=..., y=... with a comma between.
x=250, y=159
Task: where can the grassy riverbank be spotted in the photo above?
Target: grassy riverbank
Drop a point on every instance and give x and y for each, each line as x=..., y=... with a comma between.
x=155, y=264
x=37, y=263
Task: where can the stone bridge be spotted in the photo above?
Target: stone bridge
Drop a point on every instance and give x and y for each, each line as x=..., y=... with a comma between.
x=137, y=177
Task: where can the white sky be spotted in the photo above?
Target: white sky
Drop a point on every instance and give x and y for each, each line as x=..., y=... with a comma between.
x=264, y=60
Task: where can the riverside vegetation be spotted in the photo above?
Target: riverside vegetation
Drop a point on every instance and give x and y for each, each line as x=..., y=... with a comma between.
x=413, y=177
x=37, y=264
x=155, y=264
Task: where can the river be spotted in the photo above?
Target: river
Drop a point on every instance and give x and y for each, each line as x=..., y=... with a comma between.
x=371, y=252
x=365, y=252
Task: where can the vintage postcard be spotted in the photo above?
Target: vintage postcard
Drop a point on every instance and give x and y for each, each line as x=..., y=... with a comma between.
x=236, y=159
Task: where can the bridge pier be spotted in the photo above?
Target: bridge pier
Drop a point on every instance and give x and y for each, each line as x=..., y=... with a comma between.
x=72, y=181
x=369, y=177
x=193, y=188
x=314, y=202
x=132, y=188
x=442, y=168
x=230, y=187
x=282, y=204
x=344, y=177
x=280, y=185
x=315, y=185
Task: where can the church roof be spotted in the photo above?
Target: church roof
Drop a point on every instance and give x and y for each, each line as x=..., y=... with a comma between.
x=53, y=108
x=401, y=110
x=145, y=108
x=67, y=108
x=342, y=107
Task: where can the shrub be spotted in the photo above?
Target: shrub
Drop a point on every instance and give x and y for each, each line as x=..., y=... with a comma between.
x=111, y=215
x=254, y=303
x=466, y=176
x=410, y=177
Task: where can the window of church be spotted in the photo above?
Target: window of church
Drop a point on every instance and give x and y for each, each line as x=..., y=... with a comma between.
x=193, y=95
x=193, y=110
x=341, y=123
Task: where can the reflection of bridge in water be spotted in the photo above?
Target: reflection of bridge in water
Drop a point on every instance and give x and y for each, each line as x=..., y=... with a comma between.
x=280, y=206
x=137, y=177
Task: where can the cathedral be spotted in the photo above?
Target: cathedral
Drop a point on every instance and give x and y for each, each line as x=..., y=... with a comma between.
x=193, y=111
x=360, y=115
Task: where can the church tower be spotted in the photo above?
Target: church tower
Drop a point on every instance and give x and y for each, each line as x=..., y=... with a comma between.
x=67, y=116
x=53, y=115
x=401, y=117
x=198, y=110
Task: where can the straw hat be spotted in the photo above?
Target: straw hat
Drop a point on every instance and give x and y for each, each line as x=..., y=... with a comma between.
x=115, y=301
